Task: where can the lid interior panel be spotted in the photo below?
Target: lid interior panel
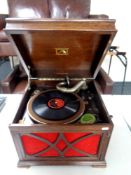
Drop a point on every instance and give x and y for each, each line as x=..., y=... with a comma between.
x=38, y=49
x=61, y=48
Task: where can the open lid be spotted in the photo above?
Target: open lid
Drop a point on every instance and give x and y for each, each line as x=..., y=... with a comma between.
x=60, y=48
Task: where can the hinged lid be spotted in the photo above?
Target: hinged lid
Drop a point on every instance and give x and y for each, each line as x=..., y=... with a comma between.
x=59, y=48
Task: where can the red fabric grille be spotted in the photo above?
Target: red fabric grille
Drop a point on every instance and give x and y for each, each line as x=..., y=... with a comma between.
x=48, y=136
x=50, y=153
x=73, y=136
x=61, y=145
x=73, y=153
x=89, y=145
x=66, y=144
x=33, y=145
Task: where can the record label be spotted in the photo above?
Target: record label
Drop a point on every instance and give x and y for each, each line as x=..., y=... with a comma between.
x=56, y=103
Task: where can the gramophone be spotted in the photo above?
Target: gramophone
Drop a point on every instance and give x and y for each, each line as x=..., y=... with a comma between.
x=62, y=119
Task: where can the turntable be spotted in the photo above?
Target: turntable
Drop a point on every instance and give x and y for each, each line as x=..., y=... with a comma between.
x=53, y=106
x=62, y=119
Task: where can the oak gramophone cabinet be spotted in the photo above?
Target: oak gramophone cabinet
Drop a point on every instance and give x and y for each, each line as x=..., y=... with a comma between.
x=61, y=59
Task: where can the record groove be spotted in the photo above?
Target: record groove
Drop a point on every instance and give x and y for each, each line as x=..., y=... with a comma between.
x=53, y=106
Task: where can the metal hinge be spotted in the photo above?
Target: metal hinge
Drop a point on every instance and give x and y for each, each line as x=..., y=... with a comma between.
x=59, y=79
x=29, y=78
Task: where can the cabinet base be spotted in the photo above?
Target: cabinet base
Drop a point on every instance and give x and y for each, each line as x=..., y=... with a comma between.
x=95, y=164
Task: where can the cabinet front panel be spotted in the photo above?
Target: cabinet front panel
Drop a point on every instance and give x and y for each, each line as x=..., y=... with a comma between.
x=61, y=144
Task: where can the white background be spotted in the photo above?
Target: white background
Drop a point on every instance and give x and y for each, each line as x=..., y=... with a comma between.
x=121, y=11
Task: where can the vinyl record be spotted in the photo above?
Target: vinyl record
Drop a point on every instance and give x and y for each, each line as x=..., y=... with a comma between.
x=54, y=106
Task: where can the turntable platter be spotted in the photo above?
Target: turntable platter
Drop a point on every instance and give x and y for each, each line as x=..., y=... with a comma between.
x=53, y=106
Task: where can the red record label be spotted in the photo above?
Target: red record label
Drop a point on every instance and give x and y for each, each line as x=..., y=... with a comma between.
x=56, y=103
